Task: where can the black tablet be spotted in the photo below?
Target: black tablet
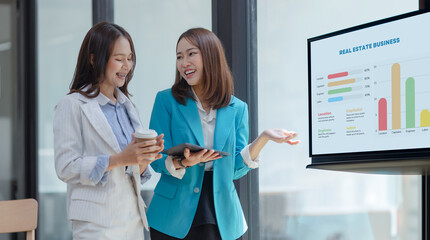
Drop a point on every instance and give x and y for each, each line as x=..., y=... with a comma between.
x=178, y=150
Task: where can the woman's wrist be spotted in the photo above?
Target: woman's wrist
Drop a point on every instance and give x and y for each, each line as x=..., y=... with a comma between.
x=142, y=168
x=176, y=163
x=258, y=144
x=183, y=163
x=264, y=137
x=113, y=161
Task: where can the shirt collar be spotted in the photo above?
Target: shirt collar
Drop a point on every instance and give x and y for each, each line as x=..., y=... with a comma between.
x=212, y=112
x=120, y=97
x=103, y=100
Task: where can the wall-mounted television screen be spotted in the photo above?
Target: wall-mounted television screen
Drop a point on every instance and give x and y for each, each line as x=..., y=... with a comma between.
x=369, y=92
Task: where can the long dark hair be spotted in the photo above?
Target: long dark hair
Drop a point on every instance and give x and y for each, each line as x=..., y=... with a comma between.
x=217, y=79
x=98, y=45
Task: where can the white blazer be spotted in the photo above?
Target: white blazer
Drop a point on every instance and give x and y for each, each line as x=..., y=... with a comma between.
x=81, y=134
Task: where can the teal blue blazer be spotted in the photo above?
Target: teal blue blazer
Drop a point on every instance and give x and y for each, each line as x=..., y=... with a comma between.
x=174, y=203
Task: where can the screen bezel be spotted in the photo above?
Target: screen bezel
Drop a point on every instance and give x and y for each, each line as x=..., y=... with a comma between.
x=404, y=154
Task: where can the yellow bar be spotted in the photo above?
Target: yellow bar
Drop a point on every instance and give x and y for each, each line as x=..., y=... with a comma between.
x=342, y=82
x=395, y=95
x=425, y=118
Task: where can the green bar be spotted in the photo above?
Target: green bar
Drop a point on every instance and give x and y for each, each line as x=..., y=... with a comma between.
x=410, y=103
x=340, y=90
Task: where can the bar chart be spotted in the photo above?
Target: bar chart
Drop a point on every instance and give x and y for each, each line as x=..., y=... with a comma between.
x=344, y=86
x=406, y=105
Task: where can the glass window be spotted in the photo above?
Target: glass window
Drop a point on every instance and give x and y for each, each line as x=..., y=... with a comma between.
x=61, y=27
x=8, y=97
x=155, y=27
x=299, y=203
x=9, y=143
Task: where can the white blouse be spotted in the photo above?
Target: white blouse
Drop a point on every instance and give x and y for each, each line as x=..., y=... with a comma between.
x=208, y=121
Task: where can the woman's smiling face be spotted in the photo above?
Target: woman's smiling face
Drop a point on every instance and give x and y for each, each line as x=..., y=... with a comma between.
x=119, y=64
x=189, y=62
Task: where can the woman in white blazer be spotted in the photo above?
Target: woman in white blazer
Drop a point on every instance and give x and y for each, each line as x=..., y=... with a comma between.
x=95, y=151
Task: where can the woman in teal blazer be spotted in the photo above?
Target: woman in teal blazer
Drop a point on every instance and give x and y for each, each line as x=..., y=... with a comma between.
x=195, y=197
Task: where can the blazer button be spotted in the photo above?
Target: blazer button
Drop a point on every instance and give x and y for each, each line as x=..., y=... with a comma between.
x=196, y=190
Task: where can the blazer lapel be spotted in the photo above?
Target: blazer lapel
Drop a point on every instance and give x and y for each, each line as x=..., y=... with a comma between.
x=224, y=122
x=97, y=119
x=191, y=116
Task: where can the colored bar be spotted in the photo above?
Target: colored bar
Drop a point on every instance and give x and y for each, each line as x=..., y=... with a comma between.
x=335, y=99
x=340, y=90
x=337, y=75
x=395, y=95
x=342, y=82
x=410, y=103
x=382, y=114
x=425, y=118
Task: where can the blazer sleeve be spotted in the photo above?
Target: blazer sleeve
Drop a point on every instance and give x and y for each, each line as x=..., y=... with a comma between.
x=161, y=118
x=242, y=139
x=70, y=164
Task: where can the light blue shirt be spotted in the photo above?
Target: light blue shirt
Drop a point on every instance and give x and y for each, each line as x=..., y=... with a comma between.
x=119, y=121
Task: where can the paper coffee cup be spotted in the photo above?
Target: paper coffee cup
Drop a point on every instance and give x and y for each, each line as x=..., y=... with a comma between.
x=144, y=135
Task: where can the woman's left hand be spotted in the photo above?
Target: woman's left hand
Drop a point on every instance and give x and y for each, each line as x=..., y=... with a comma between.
x=281, y=136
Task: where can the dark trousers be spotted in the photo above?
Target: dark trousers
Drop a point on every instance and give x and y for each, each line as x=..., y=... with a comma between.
x=204, y=223
x=205, y=231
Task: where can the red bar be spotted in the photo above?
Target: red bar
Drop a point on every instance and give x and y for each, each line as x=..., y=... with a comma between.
x=338, y=75
x=382, y=114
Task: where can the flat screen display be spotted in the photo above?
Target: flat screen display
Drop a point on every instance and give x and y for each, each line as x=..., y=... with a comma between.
x=369, y=88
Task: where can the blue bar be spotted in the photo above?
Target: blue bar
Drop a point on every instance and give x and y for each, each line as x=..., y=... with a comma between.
x=335, y=99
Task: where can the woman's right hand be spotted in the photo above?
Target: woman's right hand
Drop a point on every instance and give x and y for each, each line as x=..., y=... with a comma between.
x=204, y=155
x=137, y=153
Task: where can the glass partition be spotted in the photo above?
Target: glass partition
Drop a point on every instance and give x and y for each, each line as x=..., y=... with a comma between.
x=297, y=203
x=61, y=27
x=8, y=96
x=155, y=27
x=8, y=103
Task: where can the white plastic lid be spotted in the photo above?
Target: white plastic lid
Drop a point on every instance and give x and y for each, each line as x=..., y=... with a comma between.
x=146, y=133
